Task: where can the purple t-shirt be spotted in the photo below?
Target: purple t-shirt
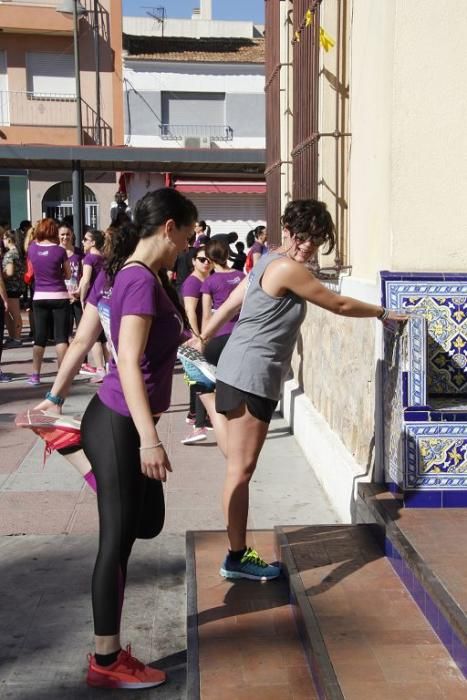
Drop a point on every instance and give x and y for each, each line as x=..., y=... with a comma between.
x=97, y=263
x=219, y=286
x=74, y=260
x=99, y=296
x=136, y=291
x=192, y=288
x=258, y=247
x=47, y=262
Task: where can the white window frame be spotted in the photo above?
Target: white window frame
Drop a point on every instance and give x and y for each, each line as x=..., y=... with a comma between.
x=68, y=92
x=4, y=95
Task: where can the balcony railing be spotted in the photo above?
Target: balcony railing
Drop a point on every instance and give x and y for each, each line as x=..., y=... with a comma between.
x=40, y=109
x=179, y=132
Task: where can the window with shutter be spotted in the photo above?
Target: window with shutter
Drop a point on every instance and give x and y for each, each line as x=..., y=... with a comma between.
x=51, y=74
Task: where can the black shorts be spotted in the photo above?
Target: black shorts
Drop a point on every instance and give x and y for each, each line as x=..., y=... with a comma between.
x=228, y=398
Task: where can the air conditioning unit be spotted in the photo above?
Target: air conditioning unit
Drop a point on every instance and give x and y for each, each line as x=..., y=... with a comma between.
x=197, y=142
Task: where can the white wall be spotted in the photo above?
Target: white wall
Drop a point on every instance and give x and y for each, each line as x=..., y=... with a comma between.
x=195, y=28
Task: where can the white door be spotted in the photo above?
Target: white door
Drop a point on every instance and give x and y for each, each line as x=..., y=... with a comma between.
x=231, y=212
x=4, y=110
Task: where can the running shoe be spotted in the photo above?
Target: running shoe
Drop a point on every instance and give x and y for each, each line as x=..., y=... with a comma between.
x=38, y=418
x=34, y=379
x=250, y=566
x=196, y=366
x=4, y=378
x=98, y=377
x=125, y=672
x=196, y=435
x=190, y=418
x=57, y=431
x=88, y=370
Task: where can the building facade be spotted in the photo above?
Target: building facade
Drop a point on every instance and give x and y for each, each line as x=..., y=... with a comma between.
x=370, y=119
x=39, y=100
x=200, y=89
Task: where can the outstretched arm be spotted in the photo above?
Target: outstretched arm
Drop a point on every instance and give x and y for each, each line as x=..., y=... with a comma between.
x=224, y=313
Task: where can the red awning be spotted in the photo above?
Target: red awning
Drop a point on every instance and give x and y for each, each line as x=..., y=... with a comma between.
x=220, y=187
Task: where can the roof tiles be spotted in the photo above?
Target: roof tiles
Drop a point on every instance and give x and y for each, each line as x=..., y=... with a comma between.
x=212, y=50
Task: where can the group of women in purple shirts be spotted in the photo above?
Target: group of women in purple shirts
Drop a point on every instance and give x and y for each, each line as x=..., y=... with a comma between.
x=249, y=326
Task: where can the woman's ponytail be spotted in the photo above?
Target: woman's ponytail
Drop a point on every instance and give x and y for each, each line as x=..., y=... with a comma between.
x=122, y=244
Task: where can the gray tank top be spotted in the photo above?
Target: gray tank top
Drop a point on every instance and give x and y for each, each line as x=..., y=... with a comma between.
x=258, y=354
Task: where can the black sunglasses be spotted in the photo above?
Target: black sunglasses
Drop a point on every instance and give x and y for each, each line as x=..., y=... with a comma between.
x=202, y=260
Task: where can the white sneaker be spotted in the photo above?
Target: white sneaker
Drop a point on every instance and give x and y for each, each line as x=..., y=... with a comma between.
x=196, y=435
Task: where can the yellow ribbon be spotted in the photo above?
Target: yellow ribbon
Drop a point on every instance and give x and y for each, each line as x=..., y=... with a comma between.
x=308, y=18
x=297, y=36
x=325, y=40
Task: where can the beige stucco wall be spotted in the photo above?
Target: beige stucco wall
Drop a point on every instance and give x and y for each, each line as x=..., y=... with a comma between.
x=408, y=174
x=102, y=184
x=429, y=167
x=17, y=44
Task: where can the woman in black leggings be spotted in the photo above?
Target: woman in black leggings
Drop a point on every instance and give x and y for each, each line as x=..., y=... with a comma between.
x=119, y=433
x=3, y=308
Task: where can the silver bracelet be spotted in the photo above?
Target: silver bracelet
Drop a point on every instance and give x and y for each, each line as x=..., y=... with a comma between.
x=151, y=447
x=384, y=315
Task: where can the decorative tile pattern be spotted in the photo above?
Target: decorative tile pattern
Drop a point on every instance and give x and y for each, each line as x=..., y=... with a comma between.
x=393, y=408
x=436, y=455
x=443, y=303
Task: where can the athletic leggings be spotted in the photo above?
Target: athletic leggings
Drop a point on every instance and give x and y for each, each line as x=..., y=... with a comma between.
x=47, y=313
x=2, y=326
x=130, y=505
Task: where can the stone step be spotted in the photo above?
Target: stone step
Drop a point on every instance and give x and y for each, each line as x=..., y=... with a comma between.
x=242, y=637
x=364, y=635
x=426, y=547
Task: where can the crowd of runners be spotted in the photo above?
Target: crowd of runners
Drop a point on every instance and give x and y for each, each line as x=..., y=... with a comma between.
x=152, y=288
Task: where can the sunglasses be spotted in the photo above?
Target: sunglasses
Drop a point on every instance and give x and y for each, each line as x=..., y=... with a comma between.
x=202, y=260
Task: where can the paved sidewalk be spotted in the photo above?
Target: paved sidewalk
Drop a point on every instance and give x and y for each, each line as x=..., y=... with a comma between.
x=48, y=526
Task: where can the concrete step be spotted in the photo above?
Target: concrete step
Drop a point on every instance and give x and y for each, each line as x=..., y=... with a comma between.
x=426, y=547
x=364, y=635
x=242, y=637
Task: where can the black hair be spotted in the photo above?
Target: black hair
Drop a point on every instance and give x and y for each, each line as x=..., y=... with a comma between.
x=217, y=250
x=232, y=237
x=240, y=246
x=310, y=218
x=25, y=225
x=258, y=231
x=250, y=238
x=64, y=223
x=151, y=211
x=201, y=249
x=98, y=238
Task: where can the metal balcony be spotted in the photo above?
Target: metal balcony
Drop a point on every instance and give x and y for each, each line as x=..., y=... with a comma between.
x=30, y=109
x=180, y=132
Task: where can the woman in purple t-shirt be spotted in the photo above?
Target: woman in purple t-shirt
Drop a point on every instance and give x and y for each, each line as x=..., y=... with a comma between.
x=119, y=433
x=50, y=304
x=75, y=257
x=93, y=262
x=192, y=299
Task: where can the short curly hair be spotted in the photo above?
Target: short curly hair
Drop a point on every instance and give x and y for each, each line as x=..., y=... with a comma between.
x=309, y=218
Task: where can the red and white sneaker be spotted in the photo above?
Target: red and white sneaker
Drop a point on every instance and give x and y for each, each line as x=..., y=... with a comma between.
x=57, y=431
x=88, y=370
x=125, y=672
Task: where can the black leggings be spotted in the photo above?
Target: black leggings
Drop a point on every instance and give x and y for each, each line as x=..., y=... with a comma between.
x=130, y=505
x=51, y=313
x=2, y=326
x=76, y=314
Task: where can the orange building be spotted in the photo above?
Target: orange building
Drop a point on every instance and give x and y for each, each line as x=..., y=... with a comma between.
x=38, y=100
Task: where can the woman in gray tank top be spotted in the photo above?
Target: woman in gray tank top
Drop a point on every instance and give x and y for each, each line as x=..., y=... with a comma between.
x=257, y=358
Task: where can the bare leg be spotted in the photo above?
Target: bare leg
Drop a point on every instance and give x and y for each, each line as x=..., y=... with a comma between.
x=79, y=461
x=61, y=349
x=13, y=319
x=218, y=421
x=245, y=438
x=37, y=357
x=98, y=355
